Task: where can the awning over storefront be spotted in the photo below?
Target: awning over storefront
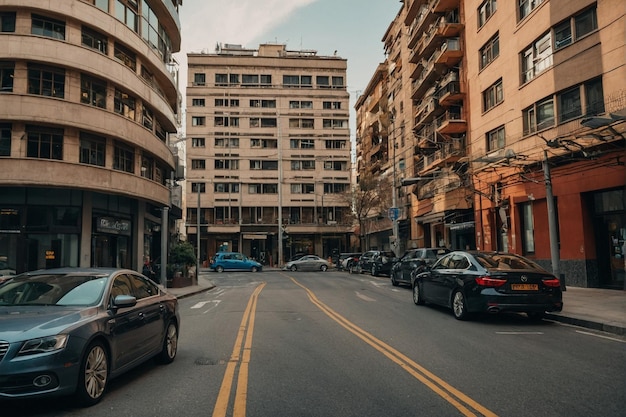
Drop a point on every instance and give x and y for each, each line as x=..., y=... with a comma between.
x=461, y=226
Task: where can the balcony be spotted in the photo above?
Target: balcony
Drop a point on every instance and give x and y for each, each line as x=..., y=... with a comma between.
x=450, y=94
x=450, y=53
x=427, y=111
x=442, y=6
x=425, y=80
x=445, y=27
x=423, y=18
x=451, y=122
x=447, y=153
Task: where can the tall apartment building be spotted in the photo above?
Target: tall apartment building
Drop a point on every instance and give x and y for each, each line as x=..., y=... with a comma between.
x=86, y=106
x=268, y=152
x=520, y=127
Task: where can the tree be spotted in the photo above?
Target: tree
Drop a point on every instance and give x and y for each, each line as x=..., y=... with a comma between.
x=368, y=198
x=182, y=256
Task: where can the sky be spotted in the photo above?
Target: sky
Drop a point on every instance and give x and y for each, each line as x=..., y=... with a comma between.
x=353, y=28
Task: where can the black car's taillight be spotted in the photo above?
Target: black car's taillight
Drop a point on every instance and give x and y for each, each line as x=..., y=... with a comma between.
x=551, y=282
x=487, y=281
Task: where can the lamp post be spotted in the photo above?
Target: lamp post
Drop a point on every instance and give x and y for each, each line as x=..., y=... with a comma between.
x=394, y=212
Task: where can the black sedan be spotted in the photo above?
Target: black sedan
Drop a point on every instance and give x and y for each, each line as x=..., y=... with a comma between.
x=376, y=262
x=493, y=282
x=70, y=330
x=414, y=261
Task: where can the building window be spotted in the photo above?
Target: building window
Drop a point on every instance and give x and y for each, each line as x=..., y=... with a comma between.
x=527, y=6
x=147, y=117
x=198, y=187
x=225, y=121
x=291, y=80
x=197, y=142
x=322, y=81
x=493, y=95
x=94, y=40
x=264, y=143
x=44, y=143
x=233, y=78
x=7, y=22
x=7, y=70
x=485, y=11
x=250, y=80
x=336, y=144
x=123, y=158
x=124, y=104
x=93, y=91
x=303, y=165
x=528, y=228
x=46, y=26
x=536, y=58
x=301, y=123
x=199, y=79
x=295, y=104
x=125, y=56
x=330, y=188
x=147, y=167
x=302, y=143
x=496, y=139
x=331, y=105
x=150, y=26
x=490, y=51
x=221, y=80
x=337, y=82
x=334, y=123
x=335, y=166
x=198, y=164
x=126, y=11
x=579, y=25
x=264, y=165
x=539, y=116
x=266, y=80
x=92, y=149
x=226, y=164
x=306, y=81
x=5, y=139
x=46, y=81
x=570, y=105
x=197, y=102
x=227, y=142
x=594, y=97
x=198, y=120
x=268, y=104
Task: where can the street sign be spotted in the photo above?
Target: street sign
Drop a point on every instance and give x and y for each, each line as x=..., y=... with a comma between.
x=394, y=213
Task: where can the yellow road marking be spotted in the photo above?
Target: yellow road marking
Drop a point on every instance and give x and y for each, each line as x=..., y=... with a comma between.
x=439, y=386
x=239, y=359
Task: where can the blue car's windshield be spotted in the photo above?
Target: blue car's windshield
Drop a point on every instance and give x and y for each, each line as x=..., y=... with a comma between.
x=62, y=290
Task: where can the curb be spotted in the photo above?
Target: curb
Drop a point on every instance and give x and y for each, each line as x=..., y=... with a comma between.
x=589, y=324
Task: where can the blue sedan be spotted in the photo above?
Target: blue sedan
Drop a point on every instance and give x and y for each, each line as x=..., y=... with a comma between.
x=70, y=330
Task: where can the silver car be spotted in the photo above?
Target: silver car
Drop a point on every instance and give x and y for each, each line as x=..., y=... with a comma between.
x=70, y=330
x=308, y=263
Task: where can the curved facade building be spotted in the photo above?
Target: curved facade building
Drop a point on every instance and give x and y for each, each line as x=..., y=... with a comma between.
x=88, y=100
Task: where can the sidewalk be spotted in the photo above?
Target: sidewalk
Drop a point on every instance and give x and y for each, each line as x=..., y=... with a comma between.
x=592, y=308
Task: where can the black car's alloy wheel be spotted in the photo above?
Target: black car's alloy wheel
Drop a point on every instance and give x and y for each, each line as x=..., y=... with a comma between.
x=170, y=345
x=94, y=375
x=458, y=305
x=393, y=280
x=374, y=271
x=418, y=298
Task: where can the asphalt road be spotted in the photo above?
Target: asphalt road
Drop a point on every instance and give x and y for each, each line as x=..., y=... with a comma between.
x=334, y=344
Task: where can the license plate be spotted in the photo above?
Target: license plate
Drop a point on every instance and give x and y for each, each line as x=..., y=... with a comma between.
x=525, y=287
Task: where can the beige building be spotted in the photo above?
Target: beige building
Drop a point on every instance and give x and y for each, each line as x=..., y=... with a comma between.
x=519, y=130
x=87, y=103
x=268, y=152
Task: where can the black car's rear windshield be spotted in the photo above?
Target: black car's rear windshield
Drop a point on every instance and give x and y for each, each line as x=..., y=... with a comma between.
x=505, y=261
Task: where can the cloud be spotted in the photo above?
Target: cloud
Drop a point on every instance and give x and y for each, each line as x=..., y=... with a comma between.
x=205, y=23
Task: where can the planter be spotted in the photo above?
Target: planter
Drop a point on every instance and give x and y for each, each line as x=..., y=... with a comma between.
x=179, y=280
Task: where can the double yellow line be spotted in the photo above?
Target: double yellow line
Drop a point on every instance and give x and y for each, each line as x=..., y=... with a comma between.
x=456, y=398
x=239, y=357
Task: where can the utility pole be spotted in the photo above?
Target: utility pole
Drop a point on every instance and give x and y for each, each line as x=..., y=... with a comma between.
x=552, y=225
x=198, y=233
x=394, y=212
x=279, y=261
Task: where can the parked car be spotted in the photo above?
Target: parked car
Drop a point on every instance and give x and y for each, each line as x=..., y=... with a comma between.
x=308, y=263
x=376, y=262
x=345, y=259
x=470, y=282
x=71, y=330
x=234, y=261
x=414, y=261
